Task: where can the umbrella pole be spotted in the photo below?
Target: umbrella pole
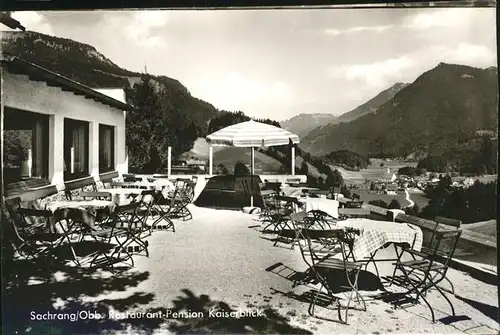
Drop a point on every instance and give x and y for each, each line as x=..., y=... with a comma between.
x=252, y=156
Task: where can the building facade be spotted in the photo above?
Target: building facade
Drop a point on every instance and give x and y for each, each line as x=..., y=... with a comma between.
x=57, y=129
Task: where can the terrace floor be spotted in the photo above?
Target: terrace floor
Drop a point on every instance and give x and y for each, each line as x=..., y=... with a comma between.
x=219, y=259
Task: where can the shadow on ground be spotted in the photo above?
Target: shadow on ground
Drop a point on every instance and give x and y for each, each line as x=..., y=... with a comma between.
x=337, y=281
x=216, y=318
x=39, y=289
x=490, y=311
x=37, y=294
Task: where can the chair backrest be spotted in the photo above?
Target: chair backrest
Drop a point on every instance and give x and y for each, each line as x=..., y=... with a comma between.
x=316, y=193
x=448, y=222
x=441, y=221
x=292, y=200
x=331, y=240
x=129, y=177
x=10, y=229
x=147, y=196
x=35, y=194
x=445, y=244
x=79, y=184
x=353, y=204
x=161, y=176
x=98, y=195
x=12, y=206
x=267, y=193
x=132, y=218
x=320, y=219
x=108, y=176
x=354, y=212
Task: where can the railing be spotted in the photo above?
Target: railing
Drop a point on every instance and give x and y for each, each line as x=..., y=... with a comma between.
x=467, y=235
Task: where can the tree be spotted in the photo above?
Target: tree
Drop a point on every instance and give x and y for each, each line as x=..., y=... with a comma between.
x=334, y=178
x=488, y=156
x=157, y=122
x=222, y=169
x=304, y=169
x=240, y=169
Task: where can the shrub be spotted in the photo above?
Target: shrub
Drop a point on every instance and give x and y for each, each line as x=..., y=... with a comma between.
x=394, y=204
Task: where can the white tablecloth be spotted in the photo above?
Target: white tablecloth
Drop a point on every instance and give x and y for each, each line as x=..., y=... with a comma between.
x=157, y=184
x=328, y=206
x=55, y=205
x=123, y=191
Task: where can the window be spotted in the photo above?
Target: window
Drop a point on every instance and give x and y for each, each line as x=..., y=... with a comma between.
x=76, y=149
x=26, y=145
x=106, y=148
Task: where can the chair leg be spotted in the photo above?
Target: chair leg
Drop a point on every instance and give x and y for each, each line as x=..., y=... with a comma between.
x=421, y=293
x=313, y=302
x=444, y=295
x=428, y=304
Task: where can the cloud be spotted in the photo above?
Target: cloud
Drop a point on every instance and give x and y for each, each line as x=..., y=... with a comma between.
x=142, y=28
x=33, y=21
x=370, y=77
x=470, y=54
x=376, y=74
x=452, y=18
x=234, y=91
x=377, y=29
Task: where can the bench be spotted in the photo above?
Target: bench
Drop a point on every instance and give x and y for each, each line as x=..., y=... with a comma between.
x=25, y=208
x=29, y=195
x=160, y=176
x=79, y=184
x=288, y=200
x=128, y=177
x=353, y=204
x=293, y=181
x=354, y=213
x=25, y=185
x=318, y=192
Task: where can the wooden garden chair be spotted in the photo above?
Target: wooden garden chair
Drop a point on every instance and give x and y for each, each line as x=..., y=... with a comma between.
x=325, y=252
x=426, y=273
x=30, y=241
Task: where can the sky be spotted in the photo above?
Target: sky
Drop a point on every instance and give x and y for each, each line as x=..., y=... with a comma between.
x=282, y=62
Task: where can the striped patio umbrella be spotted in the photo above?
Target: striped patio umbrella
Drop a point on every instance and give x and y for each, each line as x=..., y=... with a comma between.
x=251, y=134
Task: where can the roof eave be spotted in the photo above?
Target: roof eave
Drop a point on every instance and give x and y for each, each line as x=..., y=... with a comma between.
x=38, y=73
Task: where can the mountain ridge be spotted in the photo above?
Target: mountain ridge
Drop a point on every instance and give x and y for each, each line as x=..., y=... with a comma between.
x=373, y=104
x=83, y=63
x=441, y=109
x=301, y=124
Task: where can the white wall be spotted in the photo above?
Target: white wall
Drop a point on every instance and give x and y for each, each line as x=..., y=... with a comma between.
x=22, y=93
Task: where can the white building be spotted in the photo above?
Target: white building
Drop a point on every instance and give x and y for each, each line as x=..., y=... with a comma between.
x=66, y=130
